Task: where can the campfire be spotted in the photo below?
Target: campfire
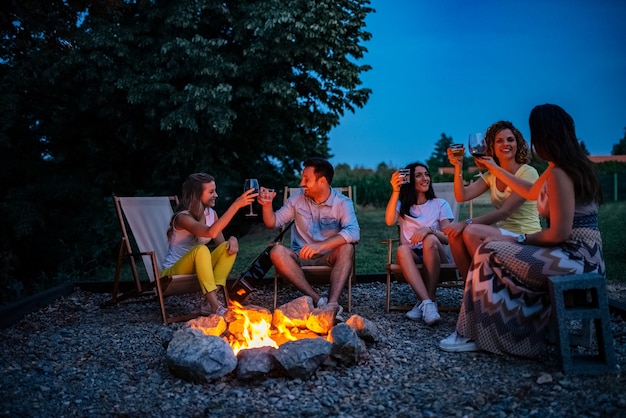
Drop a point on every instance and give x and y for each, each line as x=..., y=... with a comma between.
x=255, y=333
x=254, y=327
x=294, y=340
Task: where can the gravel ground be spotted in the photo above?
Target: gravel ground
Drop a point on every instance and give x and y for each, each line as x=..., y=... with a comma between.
x=74, y=359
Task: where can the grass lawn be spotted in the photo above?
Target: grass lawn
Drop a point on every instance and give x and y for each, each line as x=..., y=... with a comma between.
x=371, y=254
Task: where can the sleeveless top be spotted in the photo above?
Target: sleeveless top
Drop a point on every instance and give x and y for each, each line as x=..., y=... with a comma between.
x=182, y=241
x=585, y=242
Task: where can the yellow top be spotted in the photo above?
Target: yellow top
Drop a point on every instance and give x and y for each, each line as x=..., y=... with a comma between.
x=526, y=219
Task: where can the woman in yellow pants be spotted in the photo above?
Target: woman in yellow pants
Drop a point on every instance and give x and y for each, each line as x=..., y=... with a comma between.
x=194, y=224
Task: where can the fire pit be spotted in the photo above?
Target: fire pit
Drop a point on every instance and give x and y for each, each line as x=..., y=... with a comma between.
x=294, y=341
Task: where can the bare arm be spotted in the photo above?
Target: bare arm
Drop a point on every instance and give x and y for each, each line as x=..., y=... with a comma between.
x=443, y=238
x=562, y=201
x=391, y=213
x=232, y=244
x=200, y=229
x=309, y=250
x=464, y=193
x=350, y=232
x=525, y=189
x=267, y=211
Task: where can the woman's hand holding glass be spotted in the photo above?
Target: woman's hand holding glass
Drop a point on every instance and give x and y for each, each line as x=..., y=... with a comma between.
x=453, y=158
x=251, y=184
x=485, y=163
x=396, y=181
x=246, y=198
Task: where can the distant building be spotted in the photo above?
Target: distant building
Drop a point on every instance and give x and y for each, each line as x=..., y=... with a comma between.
x=603, y=158
x=450, y=170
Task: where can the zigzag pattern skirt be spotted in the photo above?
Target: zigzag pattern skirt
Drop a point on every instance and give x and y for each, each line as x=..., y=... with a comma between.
x=506, y=302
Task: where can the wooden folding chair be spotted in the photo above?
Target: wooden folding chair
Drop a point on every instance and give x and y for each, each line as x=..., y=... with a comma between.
x=449, y=276
x=144, y=222
x=317, y=275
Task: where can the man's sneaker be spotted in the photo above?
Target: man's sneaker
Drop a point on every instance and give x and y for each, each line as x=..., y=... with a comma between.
x=430, y=313
x=456, y=343
x=322, y=302
x=416, y=313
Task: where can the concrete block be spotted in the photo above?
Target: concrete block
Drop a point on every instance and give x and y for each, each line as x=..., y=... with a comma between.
x=582, y=297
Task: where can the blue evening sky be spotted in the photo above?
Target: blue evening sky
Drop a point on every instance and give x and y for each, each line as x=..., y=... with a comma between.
x=456, y=66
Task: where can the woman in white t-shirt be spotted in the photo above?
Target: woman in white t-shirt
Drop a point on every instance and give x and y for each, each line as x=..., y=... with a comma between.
x=193, y=225
x=421, y=217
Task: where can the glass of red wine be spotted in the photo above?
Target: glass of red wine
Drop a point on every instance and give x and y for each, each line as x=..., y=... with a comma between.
x=477, y=146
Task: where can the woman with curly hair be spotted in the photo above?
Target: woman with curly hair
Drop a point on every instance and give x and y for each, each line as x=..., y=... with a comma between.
x=512, y=214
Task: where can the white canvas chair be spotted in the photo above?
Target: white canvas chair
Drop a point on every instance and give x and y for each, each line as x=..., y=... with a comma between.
x=147, y=220
x=449, y=276
x=319, y=274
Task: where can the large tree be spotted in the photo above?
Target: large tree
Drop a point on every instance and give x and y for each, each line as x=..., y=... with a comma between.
x=439, y=157
x=131, y=96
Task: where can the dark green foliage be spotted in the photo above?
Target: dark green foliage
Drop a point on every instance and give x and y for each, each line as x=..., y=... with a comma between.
x=611, y=167
x=620, y=147
x=439, y=157
x=135, y=95
x=372, y=187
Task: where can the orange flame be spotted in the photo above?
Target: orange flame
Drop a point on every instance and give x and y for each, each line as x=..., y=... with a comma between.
x=255, y=334
x=260, y=333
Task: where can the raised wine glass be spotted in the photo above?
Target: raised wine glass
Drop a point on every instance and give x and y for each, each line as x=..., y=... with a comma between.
x=251, y=184
x=477, y=147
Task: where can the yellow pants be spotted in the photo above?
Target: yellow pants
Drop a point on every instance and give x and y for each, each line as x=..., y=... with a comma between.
x=212, y=267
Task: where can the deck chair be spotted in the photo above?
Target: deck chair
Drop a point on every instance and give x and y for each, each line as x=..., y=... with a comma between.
x=317, y=275
x=449, y=276
x=147, y=220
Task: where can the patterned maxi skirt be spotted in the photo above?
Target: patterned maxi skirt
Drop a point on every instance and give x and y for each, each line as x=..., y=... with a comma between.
x=506, y=302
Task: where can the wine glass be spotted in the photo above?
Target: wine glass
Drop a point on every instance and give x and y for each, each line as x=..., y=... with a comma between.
x=477, y=147
x=251, y=184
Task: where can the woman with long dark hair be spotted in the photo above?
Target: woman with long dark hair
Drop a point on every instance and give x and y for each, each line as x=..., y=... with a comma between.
x=421, y=217
x=506, y=302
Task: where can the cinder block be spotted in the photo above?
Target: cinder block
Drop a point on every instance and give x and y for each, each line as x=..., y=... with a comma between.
x=582, y=297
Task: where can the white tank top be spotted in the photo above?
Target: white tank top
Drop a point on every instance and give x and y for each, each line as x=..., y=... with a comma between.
x=182, y=241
